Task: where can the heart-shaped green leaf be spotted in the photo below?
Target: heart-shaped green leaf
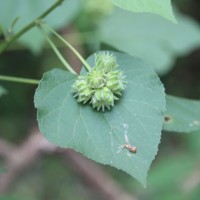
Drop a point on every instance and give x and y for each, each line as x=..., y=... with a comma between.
x=138, y=116
x=182, y=115
x=160, y=7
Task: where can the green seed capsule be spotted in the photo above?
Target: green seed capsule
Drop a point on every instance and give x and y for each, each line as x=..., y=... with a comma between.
x=81, y=90
x=102, y=85
x=115, y=81
x=96, y=78
x=103, y=98
x=105, y=62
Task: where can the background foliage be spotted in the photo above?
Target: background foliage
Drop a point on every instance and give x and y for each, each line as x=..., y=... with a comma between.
x=172, y=49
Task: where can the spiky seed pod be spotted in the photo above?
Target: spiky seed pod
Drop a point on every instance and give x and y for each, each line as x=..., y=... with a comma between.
x=82, y=91
x=96, y=78
x=115, y=81
x=102, y=85
x=102, y=98
x=105, y=62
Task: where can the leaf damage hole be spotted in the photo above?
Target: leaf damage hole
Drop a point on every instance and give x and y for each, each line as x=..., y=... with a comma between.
x=168, y=119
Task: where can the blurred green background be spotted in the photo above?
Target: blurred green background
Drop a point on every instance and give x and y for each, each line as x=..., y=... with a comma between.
x=175, y=172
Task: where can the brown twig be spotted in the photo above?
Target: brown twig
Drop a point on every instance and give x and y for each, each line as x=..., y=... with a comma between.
x=18, y=158
x=96, y=177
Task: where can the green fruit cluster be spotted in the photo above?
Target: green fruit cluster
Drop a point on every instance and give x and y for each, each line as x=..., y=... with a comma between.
x=102, y=85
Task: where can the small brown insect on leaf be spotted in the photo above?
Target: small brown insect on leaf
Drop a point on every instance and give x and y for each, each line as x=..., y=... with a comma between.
x=131, y=148
x=128, y=146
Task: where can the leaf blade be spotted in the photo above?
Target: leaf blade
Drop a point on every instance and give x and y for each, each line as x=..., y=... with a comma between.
x=162, y=8
x=182, y=115
x=151, y=38
x=99, y=135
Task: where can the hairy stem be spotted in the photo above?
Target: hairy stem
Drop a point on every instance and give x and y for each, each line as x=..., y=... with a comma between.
x=5, y=45
x=70, y=46
x=65, y=63
x=19, y=80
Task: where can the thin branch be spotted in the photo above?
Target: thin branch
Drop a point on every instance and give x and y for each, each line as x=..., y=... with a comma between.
x=18, y=158
x=19, y=80
x=55, y=49
x=5, y=45
x=69, y=45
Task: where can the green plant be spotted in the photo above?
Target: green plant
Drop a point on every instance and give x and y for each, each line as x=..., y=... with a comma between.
x=140, y=107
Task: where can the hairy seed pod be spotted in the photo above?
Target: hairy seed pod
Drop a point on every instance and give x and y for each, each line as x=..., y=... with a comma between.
x=82, y=91
x=102, y=85
x=105, y=62
x=115, y=81
x=96, y=78
x=102, y=98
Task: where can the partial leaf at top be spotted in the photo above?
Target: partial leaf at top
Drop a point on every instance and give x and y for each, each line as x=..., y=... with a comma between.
x=99, y=135
x=182, y=115
x=151, y=38
x=160, y=7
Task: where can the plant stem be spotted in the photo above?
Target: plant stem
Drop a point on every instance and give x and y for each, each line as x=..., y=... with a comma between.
x=65, y=63
x=70, y=46
x=76, y=38
x=19, y=80
x=5, y=45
